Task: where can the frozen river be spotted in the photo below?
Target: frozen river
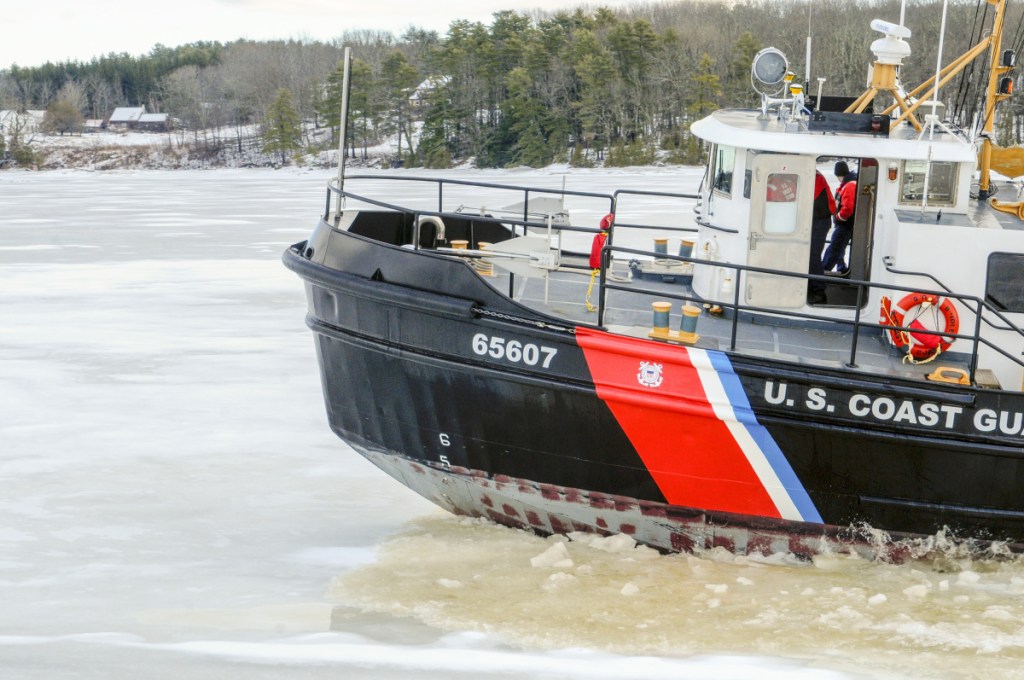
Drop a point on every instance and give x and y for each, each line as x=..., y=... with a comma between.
x=173, y=504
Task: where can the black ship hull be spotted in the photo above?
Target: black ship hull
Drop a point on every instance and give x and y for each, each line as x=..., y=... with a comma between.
x=489, y=409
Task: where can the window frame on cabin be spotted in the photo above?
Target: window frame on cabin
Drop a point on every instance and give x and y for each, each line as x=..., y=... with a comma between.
x=722, y=182
x=942, y=183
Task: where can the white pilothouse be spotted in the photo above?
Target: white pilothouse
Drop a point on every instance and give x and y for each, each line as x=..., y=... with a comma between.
x=918, y=221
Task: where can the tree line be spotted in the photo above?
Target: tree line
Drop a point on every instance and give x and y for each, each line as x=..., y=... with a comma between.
x=583, y=86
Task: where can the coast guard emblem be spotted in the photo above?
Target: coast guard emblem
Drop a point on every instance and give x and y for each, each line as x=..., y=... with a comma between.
x=650, y=374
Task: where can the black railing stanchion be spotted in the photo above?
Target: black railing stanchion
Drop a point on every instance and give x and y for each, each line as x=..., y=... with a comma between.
x=327, y=207
x=416, y=231
x=735, y=309
x=977, y=337
x=856, y=326
x=440, y=196
x=606, y=258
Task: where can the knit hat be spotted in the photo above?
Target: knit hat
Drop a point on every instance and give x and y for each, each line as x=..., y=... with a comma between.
x=842, y=169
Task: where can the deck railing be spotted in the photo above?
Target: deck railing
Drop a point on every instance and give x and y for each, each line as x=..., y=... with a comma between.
x=975, y=305
x=443, y=183
x=979, y=308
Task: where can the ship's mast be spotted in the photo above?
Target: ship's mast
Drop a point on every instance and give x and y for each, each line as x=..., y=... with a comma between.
x=884, y=79
x=996, y=70
x=889, y=52
x=343, y=128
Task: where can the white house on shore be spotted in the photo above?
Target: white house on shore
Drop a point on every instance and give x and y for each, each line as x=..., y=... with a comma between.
x=125, y=117
x=136, y=118
x=418, y=98
x=154, y=122
x=26, y=122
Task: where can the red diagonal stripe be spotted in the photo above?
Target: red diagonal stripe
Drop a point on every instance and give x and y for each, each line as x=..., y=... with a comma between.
x=691, y=454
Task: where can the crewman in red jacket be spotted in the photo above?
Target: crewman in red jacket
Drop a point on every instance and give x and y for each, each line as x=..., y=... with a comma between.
x=821, y=221
x=846, y=203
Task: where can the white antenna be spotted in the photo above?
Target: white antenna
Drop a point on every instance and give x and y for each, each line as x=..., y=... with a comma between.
x=938, y=58
x=807, y=57
x=932, y=119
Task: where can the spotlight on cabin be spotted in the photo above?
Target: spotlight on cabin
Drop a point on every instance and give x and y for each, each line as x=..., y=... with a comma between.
x=768, y=71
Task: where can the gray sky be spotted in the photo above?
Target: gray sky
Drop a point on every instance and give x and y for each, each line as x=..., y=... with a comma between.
x=37, y=31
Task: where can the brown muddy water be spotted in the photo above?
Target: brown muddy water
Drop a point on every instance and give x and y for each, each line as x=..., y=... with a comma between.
x=945, y=617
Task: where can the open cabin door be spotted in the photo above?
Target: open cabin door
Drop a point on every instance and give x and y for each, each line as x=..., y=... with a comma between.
x=864, y=221
x=781, y=198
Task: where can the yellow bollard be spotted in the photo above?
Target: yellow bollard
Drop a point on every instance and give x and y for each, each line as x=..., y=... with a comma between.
x=484, y=266
x=661, y=320
x=688, y=324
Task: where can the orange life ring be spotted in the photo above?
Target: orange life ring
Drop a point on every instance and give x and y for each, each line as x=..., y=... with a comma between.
x=920, y=342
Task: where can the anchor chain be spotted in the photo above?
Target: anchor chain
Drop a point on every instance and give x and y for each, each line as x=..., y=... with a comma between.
x=480, y=311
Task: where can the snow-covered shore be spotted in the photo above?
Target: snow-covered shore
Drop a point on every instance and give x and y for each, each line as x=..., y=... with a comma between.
x=183, y=150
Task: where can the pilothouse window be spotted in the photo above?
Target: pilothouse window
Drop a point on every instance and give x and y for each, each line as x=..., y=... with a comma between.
x=725, y=160
x=941, y=183
x=1004, y=285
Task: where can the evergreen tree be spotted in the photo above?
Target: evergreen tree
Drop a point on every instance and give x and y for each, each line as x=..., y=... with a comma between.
x=398, y=78
x=434, y=150
x=635, y=46
x=706, y=88
x=281, y=131
x=21, y=150
x=363, y=115
x=329, y=107
x=739, y=91
x=524, y=114
x=596, y=74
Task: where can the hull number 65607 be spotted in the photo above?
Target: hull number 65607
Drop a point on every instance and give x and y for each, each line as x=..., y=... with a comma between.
x=513, y=350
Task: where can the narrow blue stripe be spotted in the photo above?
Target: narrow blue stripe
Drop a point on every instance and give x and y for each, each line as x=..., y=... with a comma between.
x=745, y=415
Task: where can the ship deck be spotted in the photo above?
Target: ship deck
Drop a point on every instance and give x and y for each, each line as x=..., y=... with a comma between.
x=831, y=336
x=821, y=342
